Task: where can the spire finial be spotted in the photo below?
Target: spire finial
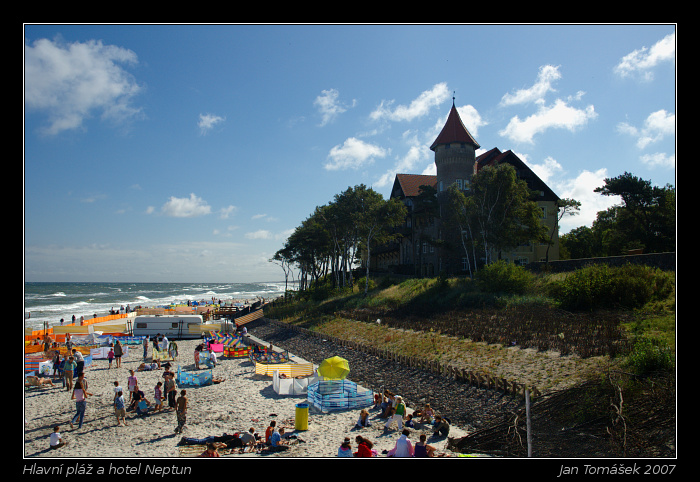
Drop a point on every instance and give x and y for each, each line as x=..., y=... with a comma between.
x=453, y=98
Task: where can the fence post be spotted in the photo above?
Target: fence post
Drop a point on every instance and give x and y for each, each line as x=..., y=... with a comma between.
x=529, y=424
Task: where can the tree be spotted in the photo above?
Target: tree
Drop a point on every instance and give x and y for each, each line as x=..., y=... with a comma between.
x=375, y=219
x=502, y=212
x=647, y=216
x=565, y=207
x=458, y=219
x=283, y=258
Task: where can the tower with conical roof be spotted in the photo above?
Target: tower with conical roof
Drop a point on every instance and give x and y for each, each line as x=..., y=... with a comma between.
x=455, y=153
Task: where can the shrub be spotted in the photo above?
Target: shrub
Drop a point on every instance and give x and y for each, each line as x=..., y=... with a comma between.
x=649, y=355
x=602, y=286
x=504, y=277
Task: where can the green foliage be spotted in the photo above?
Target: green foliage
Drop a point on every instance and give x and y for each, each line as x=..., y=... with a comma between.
x=362, y=284
x=602, y=286
x=504, y=277
x=650, y=355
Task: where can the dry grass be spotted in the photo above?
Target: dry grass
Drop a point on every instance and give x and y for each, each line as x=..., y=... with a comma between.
x=544, y=370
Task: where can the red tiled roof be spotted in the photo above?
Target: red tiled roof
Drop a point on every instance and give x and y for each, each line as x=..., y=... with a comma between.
x=454, y=131
x=410, y=183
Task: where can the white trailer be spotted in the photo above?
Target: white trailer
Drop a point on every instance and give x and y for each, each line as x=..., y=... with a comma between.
x=175, y=327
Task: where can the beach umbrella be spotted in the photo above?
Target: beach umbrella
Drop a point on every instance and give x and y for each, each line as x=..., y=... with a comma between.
x=334, y=368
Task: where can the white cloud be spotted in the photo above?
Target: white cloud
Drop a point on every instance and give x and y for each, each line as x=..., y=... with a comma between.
x=353, y=154
x=186, y=207
x=549, y=168
x=228, y=211
x=546, y=76
x=581, y=189
x=259, y=234
x=417, y=108
x=558, y=116
x=641, y=61
x=328, y=105
x=72, y=82
x=416, y=154
x=208, y=121
x=656, y=126
x=659, y=159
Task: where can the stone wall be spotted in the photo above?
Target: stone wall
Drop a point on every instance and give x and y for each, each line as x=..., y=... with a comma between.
x=664, y=261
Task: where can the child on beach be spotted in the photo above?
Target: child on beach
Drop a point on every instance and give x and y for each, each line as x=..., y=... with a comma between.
x=363, y=421
x=398, y=414
x=345, y=449
x=55, y=440
x=427, y=414
x=181, y=412
x=110, y=357
x=131, y=384
x=120, y=407
x=158, y=396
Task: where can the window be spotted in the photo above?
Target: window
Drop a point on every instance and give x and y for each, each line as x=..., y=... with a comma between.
x=142, y=325
x=459, y=184
x=440, y=186
x=466, y=184
x=544, y=212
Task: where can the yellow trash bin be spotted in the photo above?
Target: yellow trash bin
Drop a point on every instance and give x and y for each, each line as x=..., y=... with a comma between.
x=301, y=419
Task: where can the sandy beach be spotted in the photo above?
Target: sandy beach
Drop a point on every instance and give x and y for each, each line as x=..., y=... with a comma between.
x=243, y=400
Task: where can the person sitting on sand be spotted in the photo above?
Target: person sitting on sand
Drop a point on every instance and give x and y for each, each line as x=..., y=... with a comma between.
x=427, y=414
x=136, y=402
x=363, y=421
x=248, y=438
x=422, y=449
x=345, y=449
x=441, y=426
x=211, y=451
x=270, y=429
x=55, y=439
x=364, y=447
x=403, y=446
x=277, y=442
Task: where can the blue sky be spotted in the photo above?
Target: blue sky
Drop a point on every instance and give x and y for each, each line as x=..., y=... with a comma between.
x=188, y=153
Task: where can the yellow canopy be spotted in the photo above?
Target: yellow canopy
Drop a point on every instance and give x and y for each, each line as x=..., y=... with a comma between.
x=334, y=368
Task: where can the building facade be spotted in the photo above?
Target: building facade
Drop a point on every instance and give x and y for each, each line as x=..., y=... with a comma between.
x=422, y=248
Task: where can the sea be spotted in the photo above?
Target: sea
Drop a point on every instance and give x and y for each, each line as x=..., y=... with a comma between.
x=49, y=302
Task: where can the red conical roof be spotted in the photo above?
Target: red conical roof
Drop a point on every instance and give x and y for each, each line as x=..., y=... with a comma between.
x=454, y=131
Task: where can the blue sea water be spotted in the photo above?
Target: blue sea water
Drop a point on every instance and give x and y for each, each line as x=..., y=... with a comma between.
x=49, y=302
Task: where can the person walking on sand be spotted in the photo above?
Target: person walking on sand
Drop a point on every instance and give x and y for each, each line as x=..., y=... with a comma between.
x=181, y=411
x=120, y=407
x=80, y=395
x=145, y=347
x=68, y=369
x=118, y=353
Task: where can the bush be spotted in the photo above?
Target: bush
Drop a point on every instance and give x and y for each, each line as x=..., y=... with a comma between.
x=602, y=286
x=504, y=277
x=649, y=355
